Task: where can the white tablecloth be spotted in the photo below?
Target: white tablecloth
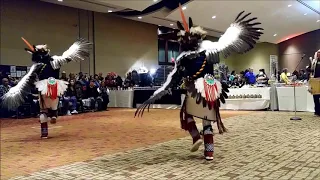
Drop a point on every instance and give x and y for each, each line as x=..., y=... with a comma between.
x=248, y=103
x=304, y=100
x=121, y=98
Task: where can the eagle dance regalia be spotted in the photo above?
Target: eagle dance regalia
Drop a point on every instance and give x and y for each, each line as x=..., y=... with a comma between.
x=195, y=66
x=44, y=75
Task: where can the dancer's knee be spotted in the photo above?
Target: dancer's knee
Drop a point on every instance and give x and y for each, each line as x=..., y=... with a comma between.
x=43, y=118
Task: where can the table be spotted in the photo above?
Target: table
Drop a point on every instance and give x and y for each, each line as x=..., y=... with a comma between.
x=141, y=95
x=304, y=100
x=121, y=98
x=248, y=103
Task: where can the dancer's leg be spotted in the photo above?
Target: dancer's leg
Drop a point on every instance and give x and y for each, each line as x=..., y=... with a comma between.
x=53, y=112
x=44, y=124
x=194, y=132
x=208, y=140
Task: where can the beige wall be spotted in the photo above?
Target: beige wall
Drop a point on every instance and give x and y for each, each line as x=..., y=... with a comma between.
x=122, y=44
x=257, y=58
x=39, y=23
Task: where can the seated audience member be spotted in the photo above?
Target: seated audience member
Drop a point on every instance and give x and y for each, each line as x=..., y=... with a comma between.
x=100, y=77
x=119, y=81
x=4, y=87
x=110, y=82
x=283, y=77
x=79, y=95
x=135, y=78
x=71, y=94
x=64, y=76
x=72, y=77
x=128, y=82
x=262, y=77
x=84, y=83
x=232, y=76
x=92, y=94
x=303, y=75
x=104, y=93
x=250, y=76
x=96, y=80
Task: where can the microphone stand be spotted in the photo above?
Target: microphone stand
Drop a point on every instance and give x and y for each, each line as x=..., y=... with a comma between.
x=295, y=118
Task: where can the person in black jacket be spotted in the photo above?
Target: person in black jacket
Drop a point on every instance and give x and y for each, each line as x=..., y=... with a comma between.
x=71, y=95
x=92, y=94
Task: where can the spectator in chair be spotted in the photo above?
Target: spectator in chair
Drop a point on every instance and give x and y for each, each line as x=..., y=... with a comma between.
x=283, y=77
x=92, y=94
x=104, y=94
x=4, y=87
x=250, y=76
x=64, y=76
x=128, y=82
x=262, y=77
x=119, y=81
x=71, y=94
x=100, y=77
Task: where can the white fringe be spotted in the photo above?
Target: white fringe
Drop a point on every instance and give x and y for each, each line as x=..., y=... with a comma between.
x=42, y=86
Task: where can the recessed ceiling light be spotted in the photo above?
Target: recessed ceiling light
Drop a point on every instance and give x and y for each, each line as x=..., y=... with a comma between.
x=184, y=8
x=109, y=11
x=289, y=5
x=213, y=17
x=305, y=13
x=139, y=17
x=155, y=0
x=275, y=35
x=318, y=20
x=171, y=24
x=60, y=0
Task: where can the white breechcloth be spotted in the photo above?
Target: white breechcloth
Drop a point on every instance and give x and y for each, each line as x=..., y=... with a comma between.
x=45, y=101
x=42, y=86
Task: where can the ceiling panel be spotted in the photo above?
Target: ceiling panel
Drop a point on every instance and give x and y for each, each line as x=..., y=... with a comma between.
x=283, y=18
x=132, y=4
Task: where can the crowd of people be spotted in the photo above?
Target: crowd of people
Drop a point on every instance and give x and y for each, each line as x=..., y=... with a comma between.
x=84, y=93
x=248, y=77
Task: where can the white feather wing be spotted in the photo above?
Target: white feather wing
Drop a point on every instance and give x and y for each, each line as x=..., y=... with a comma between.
x=79, y=51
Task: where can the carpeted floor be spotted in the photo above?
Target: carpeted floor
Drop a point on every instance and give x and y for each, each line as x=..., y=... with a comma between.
x=83, y=137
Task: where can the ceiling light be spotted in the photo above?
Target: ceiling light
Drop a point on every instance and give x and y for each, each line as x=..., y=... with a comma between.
x=275, y=35
x=184, y=8
x=213, y=17
x=305, y=13
x=289, y=5
x=318, y=20
x=60, y=0
x=155, y=0
x=139, y=17
x=171, y=24
x=109, y=11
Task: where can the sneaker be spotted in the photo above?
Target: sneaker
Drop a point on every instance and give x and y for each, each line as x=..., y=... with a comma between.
x=68, y=113
x=53, y=120
x=196, y=145
x=44, y=136
x=74, y=112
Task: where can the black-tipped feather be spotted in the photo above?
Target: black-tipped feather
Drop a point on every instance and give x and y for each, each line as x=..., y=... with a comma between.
x=180, y=25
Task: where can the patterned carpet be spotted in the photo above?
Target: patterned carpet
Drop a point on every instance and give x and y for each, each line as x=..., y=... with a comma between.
x=83, y=137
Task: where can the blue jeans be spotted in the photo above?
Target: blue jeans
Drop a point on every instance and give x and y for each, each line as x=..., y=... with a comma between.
x=73, y=101
x=316, y=99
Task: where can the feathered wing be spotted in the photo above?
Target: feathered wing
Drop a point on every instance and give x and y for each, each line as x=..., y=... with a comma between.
x=16, y=95
x=172, y=79
x=79, y=51
x=240, y=37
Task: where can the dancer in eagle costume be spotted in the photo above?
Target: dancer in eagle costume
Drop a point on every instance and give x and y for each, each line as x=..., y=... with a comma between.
x=44, y=75
x=195, y=65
